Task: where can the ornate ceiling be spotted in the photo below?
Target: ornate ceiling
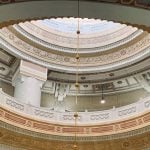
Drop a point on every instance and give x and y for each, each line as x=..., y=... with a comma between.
x=101, y=52
x=111, y=53
x=60, y=34
x=118, y=65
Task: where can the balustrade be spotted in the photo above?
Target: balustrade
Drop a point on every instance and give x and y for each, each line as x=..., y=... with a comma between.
x=48, y=115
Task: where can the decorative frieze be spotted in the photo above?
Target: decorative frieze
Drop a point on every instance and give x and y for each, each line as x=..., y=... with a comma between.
x=70, y=118
x=82, y=50
x=105, y=61
x=44, y=114
x=68, y=130
x=94, y=44
x=14, y=104
x=100, y=116
x=127, y=111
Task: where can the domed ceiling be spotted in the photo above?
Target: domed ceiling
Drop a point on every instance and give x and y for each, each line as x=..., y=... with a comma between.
x=104, y=46
x=114, y=60
x=110, y=53
x=95, y=34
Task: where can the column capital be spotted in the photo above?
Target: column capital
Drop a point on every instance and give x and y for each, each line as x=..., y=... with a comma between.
x=28, y=69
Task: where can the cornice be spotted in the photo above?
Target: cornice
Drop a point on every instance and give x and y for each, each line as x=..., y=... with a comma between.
x=67, y=64
x=72, y=50
x=70, y=138
x=56, y=46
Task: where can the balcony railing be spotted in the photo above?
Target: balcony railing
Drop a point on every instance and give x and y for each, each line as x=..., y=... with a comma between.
x=90, y=118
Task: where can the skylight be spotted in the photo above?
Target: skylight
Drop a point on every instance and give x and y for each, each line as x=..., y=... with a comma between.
x=87, y=26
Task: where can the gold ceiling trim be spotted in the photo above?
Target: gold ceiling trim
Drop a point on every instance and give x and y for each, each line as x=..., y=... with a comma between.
x=18, y=140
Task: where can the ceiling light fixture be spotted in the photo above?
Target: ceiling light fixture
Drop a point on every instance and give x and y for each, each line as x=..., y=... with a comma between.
x=75, y=146
x=103, y=101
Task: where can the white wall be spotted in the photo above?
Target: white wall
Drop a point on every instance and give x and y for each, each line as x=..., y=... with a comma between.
x=85, y=102
x=93, y=102
x=7, y=88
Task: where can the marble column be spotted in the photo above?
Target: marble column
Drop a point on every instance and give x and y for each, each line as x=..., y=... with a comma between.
x=28, y=81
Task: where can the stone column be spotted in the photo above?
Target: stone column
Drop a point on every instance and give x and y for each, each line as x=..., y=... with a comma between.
x=28, y=81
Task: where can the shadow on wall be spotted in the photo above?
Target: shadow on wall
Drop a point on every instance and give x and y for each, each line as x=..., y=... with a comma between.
x=7, y=88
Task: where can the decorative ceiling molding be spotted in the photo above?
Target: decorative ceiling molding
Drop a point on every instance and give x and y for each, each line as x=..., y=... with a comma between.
x=85, y=42
x=103, y=62
x=93, y=87
x=130, y=71
x=39, y=38
x=55, y=49
x=62, y=136
x=38, y=142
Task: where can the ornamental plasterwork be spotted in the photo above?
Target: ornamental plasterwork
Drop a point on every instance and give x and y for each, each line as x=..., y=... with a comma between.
x=99, y=123
x=39, y=143
x=72, y=50
x=48, y=131
x=72, y=42
x=24, y=131
x=125, y=53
